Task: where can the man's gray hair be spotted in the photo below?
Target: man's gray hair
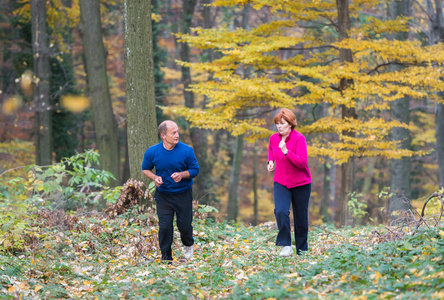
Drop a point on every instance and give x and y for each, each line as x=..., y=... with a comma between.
x=163, y=127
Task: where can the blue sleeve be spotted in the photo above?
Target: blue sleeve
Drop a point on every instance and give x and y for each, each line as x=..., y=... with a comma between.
x=147, y=163
x=193, y=166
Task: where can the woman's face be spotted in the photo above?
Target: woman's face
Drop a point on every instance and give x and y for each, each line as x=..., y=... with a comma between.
x=283, y=127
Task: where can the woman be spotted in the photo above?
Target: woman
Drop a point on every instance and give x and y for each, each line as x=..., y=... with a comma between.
x=287, y=157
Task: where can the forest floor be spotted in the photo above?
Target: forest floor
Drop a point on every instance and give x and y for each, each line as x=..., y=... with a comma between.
x=86, y=255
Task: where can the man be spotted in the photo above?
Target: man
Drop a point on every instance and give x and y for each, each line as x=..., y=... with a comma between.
x=176, y=166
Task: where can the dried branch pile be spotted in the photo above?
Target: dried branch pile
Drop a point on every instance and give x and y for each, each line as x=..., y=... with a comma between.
x=132, y=193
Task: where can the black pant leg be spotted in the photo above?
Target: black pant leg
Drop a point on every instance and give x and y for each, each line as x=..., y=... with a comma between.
x=282, y=200
x=301, y=196
x=165, y=214
x=184, y=215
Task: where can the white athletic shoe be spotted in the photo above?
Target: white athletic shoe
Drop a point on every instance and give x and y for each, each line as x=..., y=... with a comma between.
x=286, y=251
x=188, y=252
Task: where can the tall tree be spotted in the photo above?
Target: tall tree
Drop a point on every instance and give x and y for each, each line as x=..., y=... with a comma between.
x=105, y=124
x=198, y=136
x=348, y=111
x=63, y=82
x=233, y=201
x=436, y=35
x=255, y=195
x=233, y=185
x=139, y=83
x=42, y=70
x=400, y=180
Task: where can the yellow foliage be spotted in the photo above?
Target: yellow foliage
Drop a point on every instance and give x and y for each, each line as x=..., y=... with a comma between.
x=26, y=81
x=75, y=104
x=156, y=17
x=313, y=77
x=11, y=105
x=424, y=133
x=59, y=17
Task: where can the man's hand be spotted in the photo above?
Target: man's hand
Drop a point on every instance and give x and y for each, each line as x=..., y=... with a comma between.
x=158, y=181
x=283, y=146
x=177, y=176
x=270, y=166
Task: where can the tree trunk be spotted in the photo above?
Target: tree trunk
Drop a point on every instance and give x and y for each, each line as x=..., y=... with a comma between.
x=233, y=201
x=233, y=205
x=326, y=193
x=42, y=102
x=198, y=136
x=207, y=165
x=437, y=36
x=400, y=169
x=333, y=197
x=439, y=131
x=366, y=186
x=126, y=174
x=255, y=196
x=139, y=83
x=105, y=124
x=345, y=55
x=323, y=208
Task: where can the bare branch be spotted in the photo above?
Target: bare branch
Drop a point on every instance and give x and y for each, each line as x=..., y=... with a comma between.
x=309, y=48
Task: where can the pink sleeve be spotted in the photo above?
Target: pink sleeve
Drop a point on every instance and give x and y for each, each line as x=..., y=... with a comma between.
x=270, y=152
x=299, y=159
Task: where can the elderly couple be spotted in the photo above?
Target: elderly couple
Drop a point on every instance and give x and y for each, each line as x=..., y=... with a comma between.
x=176, y=165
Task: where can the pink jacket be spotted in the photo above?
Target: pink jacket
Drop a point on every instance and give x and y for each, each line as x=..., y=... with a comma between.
x=291, y=170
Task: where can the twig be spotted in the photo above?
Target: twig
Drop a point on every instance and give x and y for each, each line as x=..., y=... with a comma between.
x=394, y=233
x=137, y=247
x=16, y=168
x=413, y=216
x=269, y=239
x=435, y=194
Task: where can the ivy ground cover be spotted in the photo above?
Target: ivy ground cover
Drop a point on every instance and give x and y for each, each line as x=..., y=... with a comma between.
x=119, y=258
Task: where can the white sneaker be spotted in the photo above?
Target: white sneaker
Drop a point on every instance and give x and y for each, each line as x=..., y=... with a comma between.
x=188, y=252
x=286, y=251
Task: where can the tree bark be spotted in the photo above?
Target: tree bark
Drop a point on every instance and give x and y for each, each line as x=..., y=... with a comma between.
x=105, y=124
x=345, y=55
x=400, y=168
x=366, y=186
x=325, y=202
x=326, y=193
x=42, y=70
x=333, y=197
x=439, y=132
x=233, y=205
x=233, y=201
x=438, y=29
x=139, y=83
x=198, y=136
x=255, y=195
x=436, y=35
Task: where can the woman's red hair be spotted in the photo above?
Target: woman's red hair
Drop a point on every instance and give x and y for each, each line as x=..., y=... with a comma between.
x=287, y=115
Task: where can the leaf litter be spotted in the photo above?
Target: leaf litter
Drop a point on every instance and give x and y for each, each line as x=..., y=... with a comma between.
x=115, y=254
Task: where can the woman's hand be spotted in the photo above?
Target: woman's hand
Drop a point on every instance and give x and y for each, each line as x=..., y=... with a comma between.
x=283, y=146
x=270, y=166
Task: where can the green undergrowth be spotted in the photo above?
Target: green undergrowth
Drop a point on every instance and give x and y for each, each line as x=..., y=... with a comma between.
x=93, y=257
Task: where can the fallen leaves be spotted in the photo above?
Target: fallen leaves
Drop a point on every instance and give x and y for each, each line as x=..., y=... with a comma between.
x=117, y=256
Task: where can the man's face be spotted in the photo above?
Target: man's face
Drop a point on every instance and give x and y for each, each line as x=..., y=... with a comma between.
x=172, y=135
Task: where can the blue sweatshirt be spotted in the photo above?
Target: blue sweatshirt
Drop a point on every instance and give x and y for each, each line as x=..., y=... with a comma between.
x=180, y=158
